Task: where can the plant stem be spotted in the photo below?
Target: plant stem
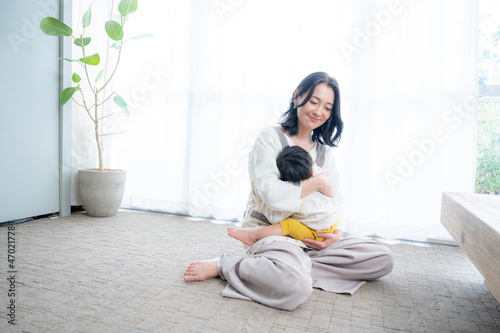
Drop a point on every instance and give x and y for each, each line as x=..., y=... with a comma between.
x=85, y=106
x=109, y=115
x=95, y=119
x=113, y=133
x=107, y=99
x=114, y=70
x=97, y=136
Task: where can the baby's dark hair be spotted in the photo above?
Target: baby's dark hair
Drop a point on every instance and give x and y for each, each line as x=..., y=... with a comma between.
x=294, y=163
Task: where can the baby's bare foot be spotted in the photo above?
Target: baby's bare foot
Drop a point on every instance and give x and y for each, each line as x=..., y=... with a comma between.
x=246, y=236
x=201, y=270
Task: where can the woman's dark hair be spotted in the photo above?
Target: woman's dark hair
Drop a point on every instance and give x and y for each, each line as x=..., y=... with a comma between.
x=329, y=133
x=294, y=163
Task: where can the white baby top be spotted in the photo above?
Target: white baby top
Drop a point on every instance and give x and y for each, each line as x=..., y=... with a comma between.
x=317, y=211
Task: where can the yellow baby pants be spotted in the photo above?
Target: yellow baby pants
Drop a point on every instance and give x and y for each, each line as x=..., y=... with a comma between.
x=297, y=230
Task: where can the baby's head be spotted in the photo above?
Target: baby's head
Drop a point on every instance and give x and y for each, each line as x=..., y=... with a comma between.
x=294, y=164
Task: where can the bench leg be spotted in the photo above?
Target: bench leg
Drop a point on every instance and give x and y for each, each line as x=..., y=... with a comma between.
x=495, y=290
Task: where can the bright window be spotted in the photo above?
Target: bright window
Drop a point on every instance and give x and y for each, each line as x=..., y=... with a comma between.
x=488, y=139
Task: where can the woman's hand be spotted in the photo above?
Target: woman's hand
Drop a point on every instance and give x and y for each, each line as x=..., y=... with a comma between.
x=325, y=184
x=321, y=183
x=328, y=240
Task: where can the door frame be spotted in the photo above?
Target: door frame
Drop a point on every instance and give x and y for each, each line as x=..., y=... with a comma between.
x=65, y=46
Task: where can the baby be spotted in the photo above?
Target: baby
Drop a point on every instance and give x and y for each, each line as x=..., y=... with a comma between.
x=317, y=213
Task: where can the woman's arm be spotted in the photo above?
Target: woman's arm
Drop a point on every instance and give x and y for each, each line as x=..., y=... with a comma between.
x=321, y=182
x=276, y=194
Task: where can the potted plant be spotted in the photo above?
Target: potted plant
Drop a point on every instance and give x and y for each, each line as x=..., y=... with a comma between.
x=101, y=190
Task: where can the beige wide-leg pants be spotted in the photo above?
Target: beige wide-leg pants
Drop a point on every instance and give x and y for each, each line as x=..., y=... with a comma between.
x=282, y=275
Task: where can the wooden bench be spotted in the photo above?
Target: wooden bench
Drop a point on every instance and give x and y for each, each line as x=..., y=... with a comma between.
x=473, y=220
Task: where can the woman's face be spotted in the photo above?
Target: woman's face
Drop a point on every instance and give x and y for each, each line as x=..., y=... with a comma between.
x=317, y=110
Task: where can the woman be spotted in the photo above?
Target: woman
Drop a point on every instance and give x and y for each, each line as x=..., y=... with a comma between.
x=282, y=272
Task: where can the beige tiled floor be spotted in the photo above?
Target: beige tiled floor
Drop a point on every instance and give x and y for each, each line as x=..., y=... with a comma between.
x=124, y=274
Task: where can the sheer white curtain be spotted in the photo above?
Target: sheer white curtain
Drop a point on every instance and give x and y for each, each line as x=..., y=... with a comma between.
x=410, y=119
x=217, y=72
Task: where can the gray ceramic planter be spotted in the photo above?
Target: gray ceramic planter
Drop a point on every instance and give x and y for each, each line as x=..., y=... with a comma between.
x=101, y=191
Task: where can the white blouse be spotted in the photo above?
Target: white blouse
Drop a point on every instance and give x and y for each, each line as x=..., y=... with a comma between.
x=275, y=198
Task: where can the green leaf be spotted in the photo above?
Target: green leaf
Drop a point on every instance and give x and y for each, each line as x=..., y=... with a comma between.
x=121, y=103
x=127, y=6
x=78, y=41
x=53, y=27
x=91, y=60
x=86, y=18
x=496, y=36
x=98, y=77
x=76, y=78
x=114, y=46
x=114, y=30
x=67, y=94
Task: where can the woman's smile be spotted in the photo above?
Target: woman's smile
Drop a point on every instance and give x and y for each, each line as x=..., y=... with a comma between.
x=313, y=119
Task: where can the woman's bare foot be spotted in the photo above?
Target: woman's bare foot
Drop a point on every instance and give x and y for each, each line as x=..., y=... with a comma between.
x=201, y=270
x=246, y=236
